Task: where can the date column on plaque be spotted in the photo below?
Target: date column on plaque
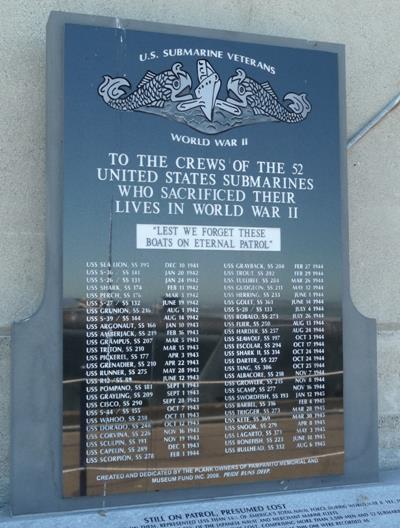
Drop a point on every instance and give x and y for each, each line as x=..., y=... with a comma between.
x=309, y=356
x=180, y=373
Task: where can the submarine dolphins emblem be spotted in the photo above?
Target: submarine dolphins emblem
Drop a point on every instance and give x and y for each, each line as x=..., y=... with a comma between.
x=167, y=94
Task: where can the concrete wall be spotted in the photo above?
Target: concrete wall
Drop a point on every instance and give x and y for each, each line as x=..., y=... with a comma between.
x=369, y=29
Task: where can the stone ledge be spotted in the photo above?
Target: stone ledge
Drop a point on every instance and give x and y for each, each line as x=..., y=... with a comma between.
x=378, y=503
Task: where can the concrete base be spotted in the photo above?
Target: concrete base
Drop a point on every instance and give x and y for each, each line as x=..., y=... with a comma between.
x=377, y=505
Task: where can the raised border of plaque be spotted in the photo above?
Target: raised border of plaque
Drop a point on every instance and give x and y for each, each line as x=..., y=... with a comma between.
x=37, y=408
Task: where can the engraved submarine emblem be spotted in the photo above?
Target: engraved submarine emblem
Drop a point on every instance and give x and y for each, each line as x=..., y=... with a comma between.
x=166, y=94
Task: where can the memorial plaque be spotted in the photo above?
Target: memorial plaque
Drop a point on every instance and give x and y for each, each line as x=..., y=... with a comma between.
x=201, y=262
x=196, y=335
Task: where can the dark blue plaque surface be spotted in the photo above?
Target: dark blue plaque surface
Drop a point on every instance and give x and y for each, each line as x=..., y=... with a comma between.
x=200, y=266
x=202, y=262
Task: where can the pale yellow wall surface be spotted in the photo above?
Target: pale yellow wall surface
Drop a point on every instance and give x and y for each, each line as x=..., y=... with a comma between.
x=369, y=29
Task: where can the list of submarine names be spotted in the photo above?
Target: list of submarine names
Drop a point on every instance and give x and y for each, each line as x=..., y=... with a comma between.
x=143, y=377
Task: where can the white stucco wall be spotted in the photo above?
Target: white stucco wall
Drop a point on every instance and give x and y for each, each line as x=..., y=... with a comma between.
x=370, y=31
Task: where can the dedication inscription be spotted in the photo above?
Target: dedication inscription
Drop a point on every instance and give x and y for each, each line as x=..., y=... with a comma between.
x=202, y=268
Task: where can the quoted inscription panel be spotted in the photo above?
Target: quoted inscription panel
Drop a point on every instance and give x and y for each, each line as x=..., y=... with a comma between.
x=201, y=263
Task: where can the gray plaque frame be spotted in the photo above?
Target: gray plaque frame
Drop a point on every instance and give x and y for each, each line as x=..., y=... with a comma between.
x=36, y=409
